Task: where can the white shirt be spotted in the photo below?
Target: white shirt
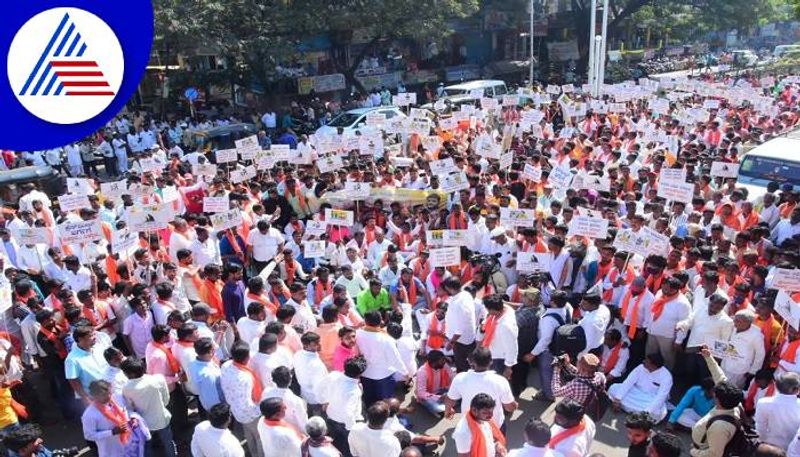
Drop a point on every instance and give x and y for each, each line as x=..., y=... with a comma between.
x=470, y=383
x=778, y=419
x=137, y=329
x=375, y=252
x=97, y=428
x=238, y=387
x=81, y=280
x=529, y=451
x=205, y=253
x=344, y=398
x=704, y=329
x=548, y=326
x=278, y=441
x=460, y=317
x=784, y=231
x=295, y=406
x=577, y=445
x=381, y=353
x=250, y=330
x=504, y=343
x=656, y=384
x=366, y=442
x=645, y=304
x=309, y=370
x=594, y=325
x=354, y=286
x=264, y=364
x=209, y=441
x=622, y=361
x=674, y=311
x=794, y=447
x=700, y=300
x=265, y=245
x=149, y=396
x=178, y=241
x=463, y=437
x=750, y=345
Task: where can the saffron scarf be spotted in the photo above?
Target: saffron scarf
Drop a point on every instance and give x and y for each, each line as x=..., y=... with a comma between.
x=613, y=358
x=211, y=294
x=750, y=398
x=89, y=315
x=566, y=433
x=634, y=314
x=490, y=327
x=422, y=270
x=257, y=389
x=56, y=341
x=660, y=303
x=435, y=338
x=283, y=423
x=321, y=291
x=116, y=415
x=174, y=365
x=459, y=223
x=478, y=447
x=444, y=377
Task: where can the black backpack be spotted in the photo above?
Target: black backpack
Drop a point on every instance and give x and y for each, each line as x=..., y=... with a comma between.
x=598, y=402
x=743, y=443
x=567, y=339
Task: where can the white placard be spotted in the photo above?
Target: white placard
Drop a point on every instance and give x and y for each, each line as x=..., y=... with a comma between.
x=150, y=165
x=656, y=242
x=443, y=167
x=140, y=191
x=340, y=217
x=31, y=235
x=205, y=169
x=238, y=175
x=517, y=217
x=672, y=175
x=216, y=204
x=559, y=178
x=506, y=160
x=151, y=217
x=434, y=238
x=532, y=173
x=596, y=183
x=376, y=119
x=226, y=220
x=114, y=189
x=533, y=262
x=357, y=190
x=315, y=228
x=329, y=163
x=73, y=202
x=510, y=100
x=489, y=104
x=786, y=279
x=280, y=151
x=455, y=237
x=676, y=191
x=370, y=146
x=454, y=182
x=79, y=186
x=248, y=147
x=124, y=242
x=590, y=227
x=404, y=99
x=314, y=249
x=80, y=232
x=788, y=309
x=722, y=349
x=711, y=104
x=227, y=156
x=445, y=257
x=725, y=169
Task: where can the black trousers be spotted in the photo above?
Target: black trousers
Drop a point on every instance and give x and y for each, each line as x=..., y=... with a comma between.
x=461, y=353
x=519, y=377
x=339, y=433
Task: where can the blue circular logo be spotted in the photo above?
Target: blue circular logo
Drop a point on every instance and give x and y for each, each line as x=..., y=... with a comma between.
x=70, y=68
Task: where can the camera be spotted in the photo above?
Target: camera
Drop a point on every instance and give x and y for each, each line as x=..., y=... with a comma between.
x=66, y=452
x=559, y=360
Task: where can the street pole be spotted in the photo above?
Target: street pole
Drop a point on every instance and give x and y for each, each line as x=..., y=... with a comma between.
x=530, y=63
x=592, y=26
x=598, y=49
x=601, y=59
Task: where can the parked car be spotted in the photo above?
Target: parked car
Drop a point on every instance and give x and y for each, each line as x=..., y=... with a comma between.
x=222, y=137
x=784, y=49
x=775, y=160
x=490, y=88
x=354, y=119
x=46, y=179
x=744, y=58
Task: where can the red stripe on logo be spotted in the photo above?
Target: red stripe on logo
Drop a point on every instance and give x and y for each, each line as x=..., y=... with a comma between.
x=90, y=93
x=84, y=83
x=79, y=73
x=72, y=63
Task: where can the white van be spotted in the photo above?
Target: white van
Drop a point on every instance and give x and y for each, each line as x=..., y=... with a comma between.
x=744, y=58
x=784, y=49
x=490, y=88
x=776, y=160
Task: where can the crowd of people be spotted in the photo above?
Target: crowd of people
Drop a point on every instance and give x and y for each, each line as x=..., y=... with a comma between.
x=310, y=318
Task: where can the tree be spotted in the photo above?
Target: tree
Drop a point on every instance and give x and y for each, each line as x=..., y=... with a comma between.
x=256, y=35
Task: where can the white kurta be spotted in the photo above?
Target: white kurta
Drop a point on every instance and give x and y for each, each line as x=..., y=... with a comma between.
x=644, y=391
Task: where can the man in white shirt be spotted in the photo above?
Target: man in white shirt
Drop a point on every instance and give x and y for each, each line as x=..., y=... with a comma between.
x=180, y=238
x=343, y=393
x=295, y=406
x=371, y=439
x=573, y=432
x=669, y=308
x=148, y=396
x=500, y=333
x=205, y=250
x=646, y=388
x=310, y=370
x=705, y=325
x=481, y=379
x=489, y=436
x=749, y=343
x=460, y=322
x=786, y=229
x=279, y=438
x=376, y=249
x=537, y=437
x=121, y=153
x=594, y=322
x=383, y=359
x=770, y=213
x=78, y=277
x=264, y=244
x=557, y=314
x=242, y=393
x=778, y=417
x=212, y=438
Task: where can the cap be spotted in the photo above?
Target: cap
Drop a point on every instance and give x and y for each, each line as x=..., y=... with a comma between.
x=591, y=360
x=531, y=292
x=498, y=231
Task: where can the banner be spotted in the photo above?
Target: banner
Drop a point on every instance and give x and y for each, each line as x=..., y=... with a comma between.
x=227, y=156
x=314, y=249
x=531, y=173
x=324, y=83
x=788, y=309
x=534, y=262
x=80, y=232
x=562, y=51
x=79, y=186
x=443, y=167
x=672, y=175
x=590, y=227
x=124, y=242
x=226, y=220
x=151, y=217
x=786, y=279
x=315, y=228
x=445, y=257
x=676, y=191
x=560, y=178
x=455, y=238
x=454, y=182
x=329, y=163
x=73, y=202
x=114, y=189
x=357, y=190
x=725, y=169
x=35, y=235
x=339, y=217
x=517, y=217
x=216, y=204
